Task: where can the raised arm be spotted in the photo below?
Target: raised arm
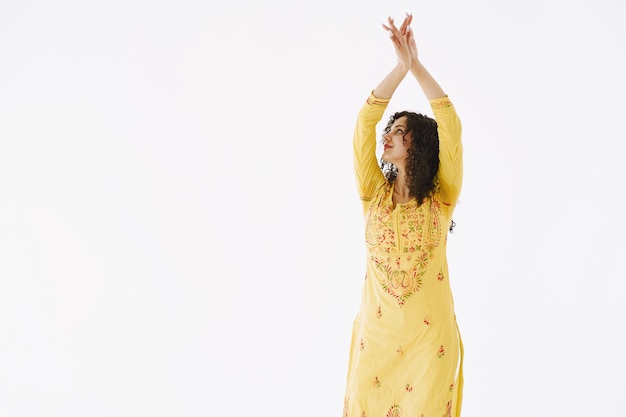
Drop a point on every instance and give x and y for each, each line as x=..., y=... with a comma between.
x=388, y=85
x=450, y=174
x=368, y=174
x=430, y=86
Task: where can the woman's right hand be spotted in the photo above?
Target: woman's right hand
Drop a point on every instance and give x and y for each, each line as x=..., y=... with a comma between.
x=400, y=39
x=410, y=39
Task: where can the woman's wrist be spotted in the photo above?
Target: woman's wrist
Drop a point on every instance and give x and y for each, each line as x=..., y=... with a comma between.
x=403, y=68
x=416, y=65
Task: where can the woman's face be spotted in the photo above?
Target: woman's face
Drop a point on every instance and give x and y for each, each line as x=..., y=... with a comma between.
x=397, y=142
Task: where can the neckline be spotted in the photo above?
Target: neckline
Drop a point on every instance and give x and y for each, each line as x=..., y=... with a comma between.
x=394, y=204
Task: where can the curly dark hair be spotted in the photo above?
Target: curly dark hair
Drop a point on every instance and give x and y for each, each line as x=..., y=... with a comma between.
x=423, y=160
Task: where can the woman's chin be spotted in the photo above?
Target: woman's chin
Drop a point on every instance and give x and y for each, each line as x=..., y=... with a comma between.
x=386, y=158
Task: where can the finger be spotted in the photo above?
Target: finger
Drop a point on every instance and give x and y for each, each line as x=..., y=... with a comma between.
x=404, y=25
x=394, y=38
x=392, y=24
x=409, y=36
x=391, y=30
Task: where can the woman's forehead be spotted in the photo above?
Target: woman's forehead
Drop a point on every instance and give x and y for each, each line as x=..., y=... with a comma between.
x=400, y=121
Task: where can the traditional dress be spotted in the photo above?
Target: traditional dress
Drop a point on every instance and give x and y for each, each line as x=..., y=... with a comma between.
x=406, y=354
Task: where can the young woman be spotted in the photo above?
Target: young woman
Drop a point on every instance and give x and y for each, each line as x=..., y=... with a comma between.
x=406, y=353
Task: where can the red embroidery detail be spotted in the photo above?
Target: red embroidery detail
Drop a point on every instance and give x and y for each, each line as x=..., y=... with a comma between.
x=441, y=352
x=395, y=411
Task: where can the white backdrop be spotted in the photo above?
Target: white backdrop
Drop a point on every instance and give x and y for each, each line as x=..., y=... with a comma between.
x=180, y=233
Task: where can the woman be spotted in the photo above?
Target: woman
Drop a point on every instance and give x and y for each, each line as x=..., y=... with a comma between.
x=406, y=352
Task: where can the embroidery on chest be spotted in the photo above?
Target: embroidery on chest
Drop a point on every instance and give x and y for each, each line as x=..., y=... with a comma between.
x=399, y=283
x=408, y=228
x=401, y=243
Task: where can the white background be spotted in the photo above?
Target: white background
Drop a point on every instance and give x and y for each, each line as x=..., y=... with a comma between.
x=180, y=233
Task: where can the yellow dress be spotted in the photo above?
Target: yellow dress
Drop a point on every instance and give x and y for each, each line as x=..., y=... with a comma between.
x=406, y=352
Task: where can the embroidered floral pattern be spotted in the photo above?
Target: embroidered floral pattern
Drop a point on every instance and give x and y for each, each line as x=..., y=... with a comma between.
x=434, y=231
x=394, y=411
x=346, y=406
x=408, y=388
x=361, y=344
x=380, y=232
x=411, y=233
x=376, y=382
x=448, y=412
x=441, y=352
x=440, y=276
x=400, y=284
x=404, y=230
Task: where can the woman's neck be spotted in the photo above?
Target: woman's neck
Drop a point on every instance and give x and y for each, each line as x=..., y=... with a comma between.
x=401, y=190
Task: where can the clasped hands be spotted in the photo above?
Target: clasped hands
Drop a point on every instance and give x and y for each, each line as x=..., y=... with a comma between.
x=403, y=41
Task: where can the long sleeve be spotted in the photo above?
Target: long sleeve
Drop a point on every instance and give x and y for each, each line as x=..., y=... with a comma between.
x=450, y=174
x=369, y=177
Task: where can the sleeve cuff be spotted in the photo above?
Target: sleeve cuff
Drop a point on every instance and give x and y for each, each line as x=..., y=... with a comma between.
x=374, y=101
x=440, y=103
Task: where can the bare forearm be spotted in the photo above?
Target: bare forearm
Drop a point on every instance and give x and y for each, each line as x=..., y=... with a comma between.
x=388, y=85
x=429, y=85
